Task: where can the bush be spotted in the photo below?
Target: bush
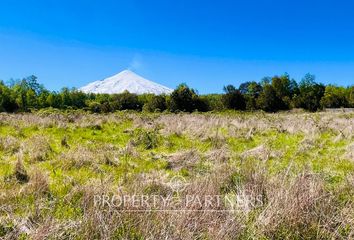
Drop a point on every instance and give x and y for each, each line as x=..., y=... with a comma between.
x=334, y=97
x=148, y=139
x=186, y=99
x=126, y=101
x=213, y=101
x=94, y=106
x=155, y=104
x=201, y=104
x=233, y=98
x=268, y=100
x=7, y=102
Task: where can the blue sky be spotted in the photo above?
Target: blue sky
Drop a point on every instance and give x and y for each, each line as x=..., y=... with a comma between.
x=206, y=44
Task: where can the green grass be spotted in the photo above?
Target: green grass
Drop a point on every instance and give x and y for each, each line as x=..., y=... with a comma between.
x=150, y=152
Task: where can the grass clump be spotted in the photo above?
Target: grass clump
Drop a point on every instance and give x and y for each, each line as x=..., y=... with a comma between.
x=9, y=144
x=20, y=173
x=38, y=148
x=149, y=139
x=289, y=175
x=39, y=183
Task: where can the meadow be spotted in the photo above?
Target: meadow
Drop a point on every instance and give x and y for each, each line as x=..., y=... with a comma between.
x=291, y=175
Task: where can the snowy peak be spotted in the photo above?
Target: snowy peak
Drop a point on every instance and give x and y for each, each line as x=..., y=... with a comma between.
x=126, y=81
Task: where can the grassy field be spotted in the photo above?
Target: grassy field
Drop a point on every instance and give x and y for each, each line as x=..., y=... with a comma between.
x=289, y=175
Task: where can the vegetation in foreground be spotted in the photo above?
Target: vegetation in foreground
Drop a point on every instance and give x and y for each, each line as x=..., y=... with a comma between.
x=298, y=166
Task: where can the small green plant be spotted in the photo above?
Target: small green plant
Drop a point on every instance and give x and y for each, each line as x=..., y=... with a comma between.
x=5, y=229
x=64, y=142
x=149, y=139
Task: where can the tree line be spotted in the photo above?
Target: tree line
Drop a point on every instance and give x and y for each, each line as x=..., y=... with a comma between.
x=271, y=94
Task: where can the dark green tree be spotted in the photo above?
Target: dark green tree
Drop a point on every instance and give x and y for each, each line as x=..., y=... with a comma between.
x=54, y=100
x=334, y=97
x=310, y=93
x=251, y=91
x=78, y=98
x=283, y=89
x=350, y=96
x=126, y=101
x=66, y=100
x=268, y=100
x=7, y=102
x=155, y=104
x=20, y=94
x=201, y=104
x=233, y=98
x=183, y=99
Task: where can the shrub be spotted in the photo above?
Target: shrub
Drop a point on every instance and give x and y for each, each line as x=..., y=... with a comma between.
x=185, y=99
x=233, y=98
x=5, y=229
x=334, y=97
x=155, y=104
x=310, y=94
x=214, y=102
x=94, y=107
x=148, y=139
x=126, y=101
x=64, y=142
x=268, y=100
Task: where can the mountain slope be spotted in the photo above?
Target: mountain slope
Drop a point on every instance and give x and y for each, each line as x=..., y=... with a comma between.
x=126, y=81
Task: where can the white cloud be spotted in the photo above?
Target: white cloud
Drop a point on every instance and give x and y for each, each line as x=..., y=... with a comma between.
x=136, y=63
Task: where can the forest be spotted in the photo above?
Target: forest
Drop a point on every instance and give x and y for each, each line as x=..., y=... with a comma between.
x=271, y=94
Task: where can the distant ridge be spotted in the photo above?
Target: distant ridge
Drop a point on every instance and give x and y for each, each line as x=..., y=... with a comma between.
x=126, y=81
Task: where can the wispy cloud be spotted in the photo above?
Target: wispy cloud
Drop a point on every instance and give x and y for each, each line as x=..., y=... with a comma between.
x=136, y=63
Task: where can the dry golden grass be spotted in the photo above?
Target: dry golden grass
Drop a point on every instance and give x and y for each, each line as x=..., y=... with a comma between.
x=290, y=175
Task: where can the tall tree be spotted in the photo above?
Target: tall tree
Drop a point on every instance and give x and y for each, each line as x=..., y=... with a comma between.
x=334, y=97
x=268, y=100
x=350, y=96
x=183, y=99
x=7, y=102
x=310, y=93
x=233, y=98
x=283, y=91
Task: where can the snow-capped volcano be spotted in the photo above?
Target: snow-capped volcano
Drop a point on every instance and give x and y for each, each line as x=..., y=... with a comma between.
x=126, y=81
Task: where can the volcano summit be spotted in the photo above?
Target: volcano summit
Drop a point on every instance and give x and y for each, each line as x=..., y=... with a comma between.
x=126, y=81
